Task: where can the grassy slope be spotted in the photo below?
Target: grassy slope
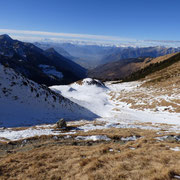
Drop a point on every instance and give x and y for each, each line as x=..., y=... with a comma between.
x=159, y=87
x=51, y=159
x=124, y=68
x=154, y=67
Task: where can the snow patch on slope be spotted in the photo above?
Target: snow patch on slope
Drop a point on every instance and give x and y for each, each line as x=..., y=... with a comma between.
x=89, y=93
x=93, y=138
x=51, y=71
x=23, y=134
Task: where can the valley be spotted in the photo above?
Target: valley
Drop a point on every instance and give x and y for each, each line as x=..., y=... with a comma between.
x=92, y=56
x=116, y=124
x=90, y=90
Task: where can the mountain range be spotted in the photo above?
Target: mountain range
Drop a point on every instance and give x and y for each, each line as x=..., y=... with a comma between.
x=91, y=56
x=48, y=66
x=88, y=56
x=130, y=69
x=130, y=52
x=42, y=66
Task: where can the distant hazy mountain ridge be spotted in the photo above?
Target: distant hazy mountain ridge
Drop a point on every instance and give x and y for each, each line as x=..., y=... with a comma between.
x=130, y=52
x=91, y=56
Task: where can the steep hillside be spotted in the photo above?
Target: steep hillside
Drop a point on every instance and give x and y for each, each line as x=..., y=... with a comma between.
x=67, y=66
x=167, y=78
x=24, y=102
x=158, y=64
x=124, y=68
x=59, y=49
x=116, y=70
x=44, y=67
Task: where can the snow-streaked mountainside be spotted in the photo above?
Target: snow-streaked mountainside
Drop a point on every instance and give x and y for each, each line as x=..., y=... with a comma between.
x=51, y=71
x=24, y=102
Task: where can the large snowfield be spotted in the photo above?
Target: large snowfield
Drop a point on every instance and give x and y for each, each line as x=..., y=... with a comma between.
x=98, y=100
x=99, y=105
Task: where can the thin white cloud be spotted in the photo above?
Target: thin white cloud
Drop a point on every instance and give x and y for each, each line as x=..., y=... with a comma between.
x=67, y=35
x=42, y=36
x=63, y=40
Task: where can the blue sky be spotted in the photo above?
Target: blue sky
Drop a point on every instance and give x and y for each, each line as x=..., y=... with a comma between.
x=133, y=19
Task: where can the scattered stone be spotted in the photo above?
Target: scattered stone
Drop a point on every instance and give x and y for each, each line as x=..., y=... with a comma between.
x=55, y=137
x=89, y=143
x=24, y=142
x=75, y=143
x=67, y=137
x=156, y=110
x=178, y=138
x=61, y=124
x=168, y=138
x=131, y=138
x=9, y=152
x=11, y=143
x=171, y=138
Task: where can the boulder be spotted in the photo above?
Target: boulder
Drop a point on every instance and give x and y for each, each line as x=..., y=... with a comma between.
x=171, y=138
x=61, y=123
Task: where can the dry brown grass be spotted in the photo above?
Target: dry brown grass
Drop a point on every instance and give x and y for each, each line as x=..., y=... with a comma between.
x=116, y=133
x=150, y=160
x=143, y=98
x=158, y=59
x=80, y=82
x=167, y=78
x=159, y=89
x=156, y=91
